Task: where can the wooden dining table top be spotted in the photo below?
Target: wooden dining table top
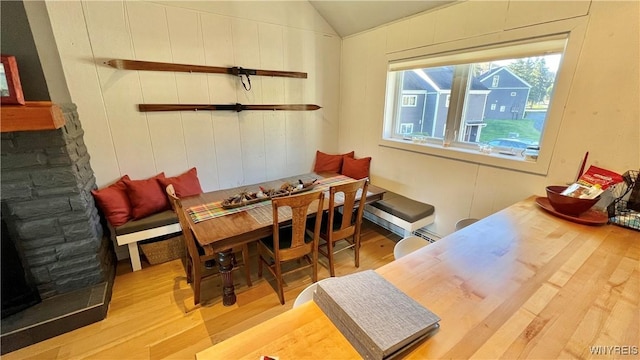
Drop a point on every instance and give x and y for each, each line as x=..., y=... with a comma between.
x=224, y=232
x=520, y=283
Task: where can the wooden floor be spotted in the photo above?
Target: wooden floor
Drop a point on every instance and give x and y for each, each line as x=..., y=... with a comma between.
x=151, y=314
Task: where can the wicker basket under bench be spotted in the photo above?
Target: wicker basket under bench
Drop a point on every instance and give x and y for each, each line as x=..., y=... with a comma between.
x=163, y=249
x=152, y=226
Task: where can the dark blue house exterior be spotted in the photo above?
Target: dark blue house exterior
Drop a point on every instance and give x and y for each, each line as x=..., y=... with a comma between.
x=508, y=96
x=495, y=94
x=425, y=101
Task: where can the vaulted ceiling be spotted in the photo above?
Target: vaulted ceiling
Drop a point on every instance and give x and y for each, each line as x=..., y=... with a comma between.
x=348, y=17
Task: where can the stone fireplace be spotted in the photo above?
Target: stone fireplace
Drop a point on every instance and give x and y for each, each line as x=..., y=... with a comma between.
x=50, y=213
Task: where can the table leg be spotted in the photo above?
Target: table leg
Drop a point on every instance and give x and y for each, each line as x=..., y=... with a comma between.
x=226, y=260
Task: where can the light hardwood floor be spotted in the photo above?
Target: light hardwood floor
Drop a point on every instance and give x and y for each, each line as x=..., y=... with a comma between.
x=151, y=314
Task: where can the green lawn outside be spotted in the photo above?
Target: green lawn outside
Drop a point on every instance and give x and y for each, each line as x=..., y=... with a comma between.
x=496, y=129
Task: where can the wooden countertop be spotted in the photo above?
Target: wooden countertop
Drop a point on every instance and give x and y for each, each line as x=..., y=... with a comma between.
x=520, y=283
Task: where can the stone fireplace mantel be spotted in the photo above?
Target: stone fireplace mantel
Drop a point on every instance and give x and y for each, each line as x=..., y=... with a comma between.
x=52, y=221
x=34, y=115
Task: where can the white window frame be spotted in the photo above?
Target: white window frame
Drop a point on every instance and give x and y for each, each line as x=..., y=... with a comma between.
x=495, y=81
x=411, y=100
x=406, y=125
x=493, y=106
x=502, y=108
x=513, y=93
x=525, y=38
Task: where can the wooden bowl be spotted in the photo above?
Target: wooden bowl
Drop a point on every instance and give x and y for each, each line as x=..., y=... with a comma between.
x=566, y=204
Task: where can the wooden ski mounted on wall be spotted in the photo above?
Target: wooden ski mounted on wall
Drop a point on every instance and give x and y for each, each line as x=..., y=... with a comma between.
x=236, y=71
x=226, y=107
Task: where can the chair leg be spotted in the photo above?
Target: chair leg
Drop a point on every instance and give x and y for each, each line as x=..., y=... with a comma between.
x=259, y=262
x=332, y=270
x=197, y=279
x=245, y=260
x=280, y=282
x=314, y=266
x=189, y=269
x=356, y=249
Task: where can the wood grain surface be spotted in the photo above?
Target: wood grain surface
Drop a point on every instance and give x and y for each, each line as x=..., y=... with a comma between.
x=34, y=115
x=230, y=230
x=152, y=316
x=518, y=284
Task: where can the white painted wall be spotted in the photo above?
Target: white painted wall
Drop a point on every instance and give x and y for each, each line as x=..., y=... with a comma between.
x=601, y=115
x=229, y=149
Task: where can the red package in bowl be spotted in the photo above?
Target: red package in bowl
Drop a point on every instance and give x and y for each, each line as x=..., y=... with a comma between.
x=592, y=183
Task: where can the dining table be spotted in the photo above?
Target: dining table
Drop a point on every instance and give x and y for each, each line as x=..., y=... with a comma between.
x=520, y=283
x=218, y=229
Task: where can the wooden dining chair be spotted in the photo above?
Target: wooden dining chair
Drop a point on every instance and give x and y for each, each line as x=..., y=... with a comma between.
x=292, y=241
x=195, y=257
x=345, y=226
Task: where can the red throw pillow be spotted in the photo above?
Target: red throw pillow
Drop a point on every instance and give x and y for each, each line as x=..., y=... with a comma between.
x=186, y=184
x=147, y=196
x=114, y=203
x=356, y=168
x=331, y=163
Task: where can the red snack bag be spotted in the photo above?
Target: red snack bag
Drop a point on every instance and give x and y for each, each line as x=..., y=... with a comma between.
x=592, y=183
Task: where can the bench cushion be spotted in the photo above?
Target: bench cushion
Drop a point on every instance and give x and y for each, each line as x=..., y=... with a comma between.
x=404, y=208
x=163, y=218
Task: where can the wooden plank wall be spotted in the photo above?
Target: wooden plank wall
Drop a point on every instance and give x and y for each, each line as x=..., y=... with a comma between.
x=229, y=149
x=460, y=189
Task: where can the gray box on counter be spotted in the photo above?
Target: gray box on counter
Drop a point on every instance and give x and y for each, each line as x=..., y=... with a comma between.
x=378, y=319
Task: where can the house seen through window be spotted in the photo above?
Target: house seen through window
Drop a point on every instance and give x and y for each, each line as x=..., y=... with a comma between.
x=500, y=103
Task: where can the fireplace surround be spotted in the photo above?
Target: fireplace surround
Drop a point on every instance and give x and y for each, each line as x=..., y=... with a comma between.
x=51, y=217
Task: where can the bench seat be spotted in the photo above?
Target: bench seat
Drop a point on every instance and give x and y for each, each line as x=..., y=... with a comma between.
x=402, y=211
x=162, y=223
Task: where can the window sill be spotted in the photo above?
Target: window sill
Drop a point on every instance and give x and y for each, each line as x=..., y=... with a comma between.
x=515, y=163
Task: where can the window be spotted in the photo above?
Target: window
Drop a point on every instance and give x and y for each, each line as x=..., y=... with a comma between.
x=409, y=100
x=467, y=94
x=406, y=128
x=496, y=80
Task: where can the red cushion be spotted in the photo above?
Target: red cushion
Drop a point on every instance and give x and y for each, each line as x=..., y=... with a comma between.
x=186, y=184
x=114, y=203
x=356, y=168
x=328, y=162
x=147, y=196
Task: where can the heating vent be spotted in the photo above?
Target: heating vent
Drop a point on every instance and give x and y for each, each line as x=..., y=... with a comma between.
x=426, y=234
x=422, y=232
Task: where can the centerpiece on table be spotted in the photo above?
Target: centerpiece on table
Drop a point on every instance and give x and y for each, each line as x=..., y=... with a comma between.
x=250, y=197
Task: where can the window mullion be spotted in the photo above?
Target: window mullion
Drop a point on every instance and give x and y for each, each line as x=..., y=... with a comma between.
x=456, y=103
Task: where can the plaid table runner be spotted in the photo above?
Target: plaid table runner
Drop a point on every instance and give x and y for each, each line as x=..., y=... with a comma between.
x=214, y=209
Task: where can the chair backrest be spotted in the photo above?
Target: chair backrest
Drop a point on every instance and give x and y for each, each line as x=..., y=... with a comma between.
x=408, y=245
x=462, y=223
x=307, y=294
x=189, y=239
x=300, y=206
x=350, y=225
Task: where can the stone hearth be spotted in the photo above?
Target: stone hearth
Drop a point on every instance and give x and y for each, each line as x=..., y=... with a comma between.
x=52, y=219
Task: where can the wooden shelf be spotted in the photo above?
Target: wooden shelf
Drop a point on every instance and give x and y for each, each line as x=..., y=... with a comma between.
x=32, y=116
